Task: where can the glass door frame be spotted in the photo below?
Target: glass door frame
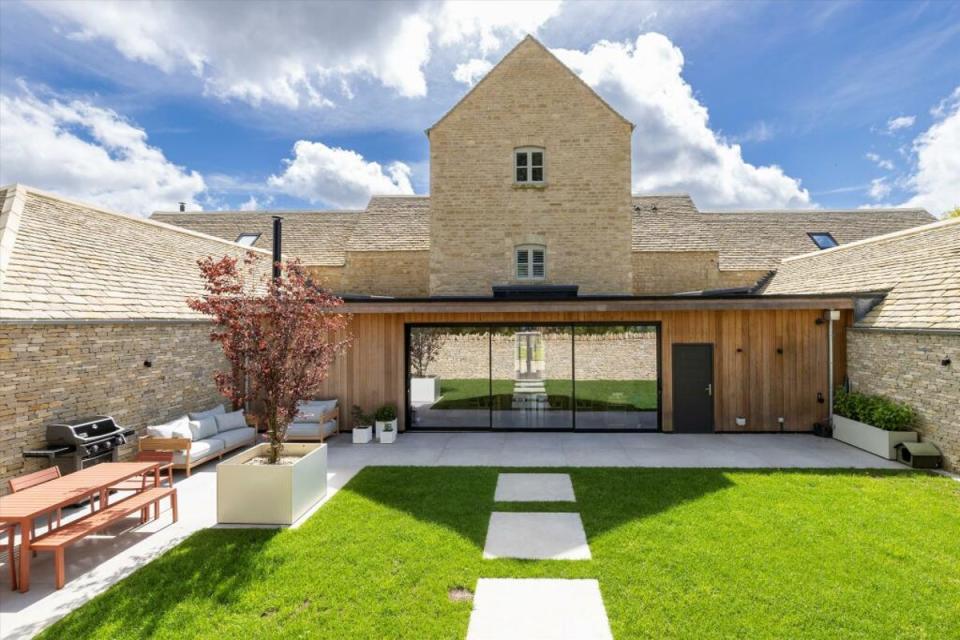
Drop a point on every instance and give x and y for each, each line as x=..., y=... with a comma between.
x=407, y=326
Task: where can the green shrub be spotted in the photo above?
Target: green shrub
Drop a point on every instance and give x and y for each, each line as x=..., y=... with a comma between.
x=360, y=419
x=386, y=413
x=876, y=411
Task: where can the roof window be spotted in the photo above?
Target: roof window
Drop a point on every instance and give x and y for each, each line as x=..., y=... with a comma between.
x=822, y=239
x=247, y=239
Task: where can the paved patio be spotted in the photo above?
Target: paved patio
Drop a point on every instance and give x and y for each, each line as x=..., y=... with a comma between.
x=97, y=563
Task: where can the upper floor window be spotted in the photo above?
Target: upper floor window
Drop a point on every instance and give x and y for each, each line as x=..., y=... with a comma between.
x=529, y=165
x=823, y=240
x=531, y=262
x=247, y=239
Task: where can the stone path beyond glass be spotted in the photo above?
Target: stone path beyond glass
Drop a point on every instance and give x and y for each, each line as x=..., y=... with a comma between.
x=545, y=609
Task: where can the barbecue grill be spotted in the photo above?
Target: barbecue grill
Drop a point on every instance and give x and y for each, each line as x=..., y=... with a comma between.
x=83, y=442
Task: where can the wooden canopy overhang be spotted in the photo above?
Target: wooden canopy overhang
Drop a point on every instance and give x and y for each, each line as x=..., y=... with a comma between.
x=382, y=305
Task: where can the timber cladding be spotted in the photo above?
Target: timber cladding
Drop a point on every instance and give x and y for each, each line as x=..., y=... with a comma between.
x=768, y=364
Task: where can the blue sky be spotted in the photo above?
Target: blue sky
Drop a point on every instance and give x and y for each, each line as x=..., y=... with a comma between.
x=743, y=105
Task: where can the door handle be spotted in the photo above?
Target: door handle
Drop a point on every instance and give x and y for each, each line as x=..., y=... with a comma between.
x=710, y=389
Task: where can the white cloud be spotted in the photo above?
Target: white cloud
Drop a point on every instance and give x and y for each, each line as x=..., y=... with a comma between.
x=250, y=205
x=296, y=54
x=337, y=177
x=880, y=162
x=674, y=148
x=90, y=153
x=936, y=178
x=758, y=132
x=879, y=188
x=900, y=122
x=470, y=72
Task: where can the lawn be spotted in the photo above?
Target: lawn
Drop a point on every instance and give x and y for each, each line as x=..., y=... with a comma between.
x=593, y=395
x=696, y=553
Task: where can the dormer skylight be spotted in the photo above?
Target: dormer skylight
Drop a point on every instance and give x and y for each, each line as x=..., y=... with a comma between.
x=823, y=240
x=247, y=239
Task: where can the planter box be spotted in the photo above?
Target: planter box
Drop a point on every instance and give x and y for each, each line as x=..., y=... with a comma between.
x=424, y=389
x=362, y=435
x=271, y=493
x=388, y=437
x=863, y=436
x=381, y=425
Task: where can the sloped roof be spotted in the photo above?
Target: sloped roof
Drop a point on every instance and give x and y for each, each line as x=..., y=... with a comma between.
x=918, y=268
x=316, y=237
x=393, y=223
x=69, y=261
x=755, y=240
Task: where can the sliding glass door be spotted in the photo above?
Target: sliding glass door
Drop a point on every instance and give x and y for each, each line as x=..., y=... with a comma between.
x=534, y=377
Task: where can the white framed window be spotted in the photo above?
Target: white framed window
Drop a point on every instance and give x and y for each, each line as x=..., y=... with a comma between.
x=531, y=262
x=528, y=165
x=247, y=239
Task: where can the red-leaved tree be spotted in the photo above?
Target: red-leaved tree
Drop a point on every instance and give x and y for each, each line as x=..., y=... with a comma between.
x=280, y=336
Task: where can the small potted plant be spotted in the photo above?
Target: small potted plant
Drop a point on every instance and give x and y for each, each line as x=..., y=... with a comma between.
x=362, y=426
x=388, y=435
x=386, y=418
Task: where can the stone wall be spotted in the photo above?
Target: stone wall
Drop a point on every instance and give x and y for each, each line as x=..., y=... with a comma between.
x=52, y=372
x=656, y=272
x=907, y=367
x=329, y=277
x=387, y=273
x=581, y=212
x=598, y=357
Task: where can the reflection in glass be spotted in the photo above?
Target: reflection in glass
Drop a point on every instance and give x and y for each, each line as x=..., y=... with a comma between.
x=449, y=377
x=532, y=369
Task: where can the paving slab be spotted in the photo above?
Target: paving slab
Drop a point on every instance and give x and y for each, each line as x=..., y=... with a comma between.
x=541, y=609
x=534, y=487
x=536, y=536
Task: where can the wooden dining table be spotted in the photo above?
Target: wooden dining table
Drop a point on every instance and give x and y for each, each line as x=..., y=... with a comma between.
x=23, y=507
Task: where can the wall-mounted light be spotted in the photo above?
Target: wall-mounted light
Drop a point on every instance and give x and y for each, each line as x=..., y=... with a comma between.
x=739, y=350
x=946, y=362
x=819, y=321
x=819, y=397
x=148, y=362
x=780, y=350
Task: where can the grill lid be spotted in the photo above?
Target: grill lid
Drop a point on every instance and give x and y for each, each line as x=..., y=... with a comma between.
x=82, y=431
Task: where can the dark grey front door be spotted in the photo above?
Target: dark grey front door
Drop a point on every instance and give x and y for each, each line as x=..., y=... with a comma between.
x=693, y=388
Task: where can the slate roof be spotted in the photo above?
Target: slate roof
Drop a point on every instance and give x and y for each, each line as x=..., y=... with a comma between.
x=755, y=240
x=316, y=237
x=63, y=260
x=393, y=223
x=918, y=268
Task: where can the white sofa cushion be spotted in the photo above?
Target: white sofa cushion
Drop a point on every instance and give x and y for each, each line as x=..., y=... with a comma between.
x=199, y=449
x=310, y=430
x=235, y=437
x=230, y=421
x=313, y=410
x=179, y=428
x=203, y=428
x=216, y=411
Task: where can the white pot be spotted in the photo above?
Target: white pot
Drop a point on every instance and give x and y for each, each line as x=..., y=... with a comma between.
x=424, y=389
x=879, y=442
x=388, y=437
x=381, y=425
x=271, y=493
x=362, y=435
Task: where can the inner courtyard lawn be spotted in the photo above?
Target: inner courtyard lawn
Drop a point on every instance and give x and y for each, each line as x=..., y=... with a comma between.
x=679, y=553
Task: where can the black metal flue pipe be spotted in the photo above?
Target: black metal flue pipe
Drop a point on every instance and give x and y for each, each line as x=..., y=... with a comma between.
x=277, y=233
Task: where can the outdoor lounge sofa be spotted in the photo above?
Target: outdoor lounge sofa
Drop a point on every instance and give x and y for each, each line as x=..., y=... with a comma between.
x=315, y=421
x=198, y=437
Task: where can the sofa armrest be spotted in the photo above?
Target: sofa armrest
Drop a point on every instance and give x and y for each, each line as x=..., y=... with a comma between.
x=150, y=443
x=333, y=414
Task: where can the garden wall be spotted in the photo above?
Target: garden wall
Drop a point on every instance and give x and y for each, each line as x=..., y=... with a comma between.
x=908, y=367
x=52, y=372
x=624, y=356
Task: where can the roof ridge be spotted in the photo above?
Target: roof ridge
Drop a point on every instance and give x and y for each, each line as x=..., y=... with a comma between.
x=258, y=212
x=128, y=216
x=724, y=212
x=903, y=233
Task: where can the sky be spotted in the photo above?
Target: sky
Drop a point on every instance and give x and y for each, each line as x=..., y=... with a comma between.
x=138, y=105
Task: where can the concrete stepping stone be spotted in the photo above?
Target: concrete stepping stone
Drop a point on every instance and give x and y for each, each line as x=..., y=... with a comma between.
x=534, y=487
x=544, y=609
x=536, y=536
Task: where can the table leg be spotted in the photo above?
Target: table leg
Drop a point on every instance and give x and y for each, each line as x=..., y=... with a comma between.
x=156, y=483
x=26, y=526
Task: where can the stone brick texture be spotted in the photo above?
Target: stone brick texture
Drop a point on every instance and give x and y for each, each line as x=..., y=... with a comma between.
x=582, y=212
x=665, y=272
x=387, y=273
x=51, y=372
x=907, y=367
x=600, y=357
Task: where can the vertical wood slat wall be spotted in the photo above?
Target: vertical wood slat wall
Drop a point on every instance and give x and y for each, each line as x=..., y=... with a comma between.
x=751, y=379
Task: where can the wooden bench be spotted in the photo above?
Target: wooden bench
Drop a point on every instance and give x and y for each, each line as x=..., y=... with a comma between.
x=58, y=540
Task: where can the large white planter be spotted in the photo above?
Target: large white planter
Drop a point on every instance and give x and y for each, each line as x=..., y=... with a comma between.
x=381, y=425
x=863, y=436
x=362, y=435
x=271, y=493
x=424, y=389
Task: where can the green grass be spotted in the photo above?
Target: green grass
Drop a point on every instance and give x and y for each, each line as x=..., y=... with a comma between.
x=698, y=553
x=592, y=395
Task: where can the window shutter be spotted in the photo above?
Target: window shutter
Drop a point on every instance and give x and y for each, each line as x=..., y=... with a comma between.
x=523, y=263
x=538, y=263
